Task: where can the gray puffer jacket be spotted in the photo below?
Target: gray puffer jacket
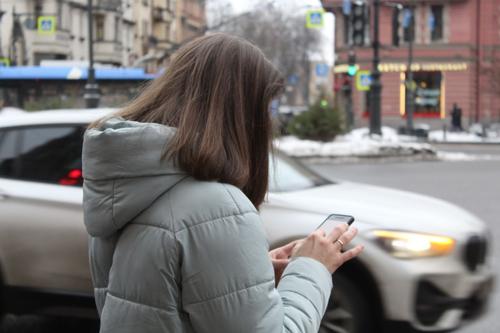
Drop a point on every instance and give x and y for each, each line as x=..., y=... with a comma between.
x=170, y=253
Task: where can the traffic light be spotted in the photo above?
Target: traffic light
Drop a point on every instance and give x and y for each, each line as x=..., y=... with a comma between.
x=351, y=64
x=358, y=23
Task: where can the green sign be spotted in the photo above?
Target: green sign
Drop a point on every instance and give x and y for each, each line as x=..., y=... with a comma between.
x=4, y=62
x=46, y=24
x=363, y=80
x=314, y=18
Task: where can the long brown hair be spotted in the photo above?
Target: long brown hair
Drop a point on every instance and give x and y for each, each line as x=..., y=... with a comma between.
x=216, y=91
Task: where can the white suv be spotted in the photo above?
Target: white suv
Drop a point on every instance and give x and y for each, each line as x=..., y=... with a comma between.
x=425, y=266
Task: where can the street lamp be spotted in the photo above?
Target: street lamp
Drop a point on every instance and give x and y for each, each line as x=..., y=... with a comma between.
x=91, y=94
x=409, y=21
x=376, y=86
x=1, y=15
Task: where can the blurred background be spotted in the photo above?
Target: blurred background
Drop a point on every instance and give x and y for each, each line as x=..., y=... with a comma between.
x=400, y=95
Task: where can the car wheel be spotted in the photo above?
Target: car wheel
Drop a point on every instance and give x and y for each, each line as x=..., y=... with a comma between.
x=348, y=310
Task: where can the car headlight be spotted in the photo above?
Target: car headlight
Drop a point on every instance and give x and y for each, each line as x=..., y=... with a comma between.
x=409, y=245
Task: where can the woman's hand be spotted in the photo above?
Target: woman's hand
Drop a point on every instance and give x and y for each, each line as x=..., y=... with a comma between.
x=327, y=249
x=280, y=258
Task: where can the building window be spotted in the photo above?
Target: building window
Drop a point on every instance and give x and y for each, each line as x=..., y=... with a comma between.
x=37, y=11
x=436, y=22
x=427, y=101
x=117, y=29
x=408, y=24
x=59, y=22
x=346, y=29
x=395, y=27
x=99, y=27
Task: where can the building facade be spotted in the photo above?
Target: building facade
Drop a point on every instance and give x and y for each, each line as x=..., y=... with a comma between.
x=126, y=32
x=456, y=60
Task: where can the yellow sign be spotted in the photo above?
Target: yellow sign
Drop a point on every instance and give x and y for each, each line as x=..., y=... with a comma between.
x=363, y=80
x=314, y=19
x=4, y=62
x=417, y=67
x=46, y=24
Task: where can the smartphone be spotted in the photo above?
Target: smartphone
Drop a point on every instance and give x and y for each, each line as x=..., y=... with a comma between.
x=333, y=219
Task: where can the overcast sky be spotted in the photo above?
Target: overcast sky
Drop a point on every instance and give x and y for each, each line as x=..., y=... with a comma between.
x=295, y=6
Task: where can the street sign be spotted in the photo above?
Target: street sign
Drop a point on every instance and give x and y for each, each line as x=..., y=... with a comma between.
x=46, y=24
x=322, y=70
x=314, y=19
x=293, y=79
x=363, y=80
x=30, y=23
x=4, y=62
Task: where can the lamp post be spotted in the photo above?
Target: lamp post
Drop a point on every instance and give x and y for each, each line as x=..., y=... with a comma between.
x=376, y=86
x=1, y=15
x=409, y=73
x=91, y=94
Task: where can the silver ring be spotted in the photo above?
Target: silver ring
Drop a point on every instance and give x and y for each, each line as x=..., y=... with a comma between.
x=340, y=242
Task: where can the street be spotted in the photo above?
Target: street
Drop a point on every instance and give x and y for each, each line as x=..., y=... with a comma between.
x=472, y=185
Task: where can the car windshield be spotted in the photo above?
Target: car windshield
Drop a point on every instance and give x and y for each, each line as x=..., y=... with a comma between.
x=286, y=174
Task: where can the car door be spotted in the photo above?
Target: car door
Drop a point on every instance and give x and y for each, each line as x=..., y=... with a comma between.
x=43, y=243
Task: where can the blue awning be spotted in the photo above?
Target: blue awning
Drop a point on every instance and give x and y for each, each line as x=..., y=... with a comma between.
x=71, y=73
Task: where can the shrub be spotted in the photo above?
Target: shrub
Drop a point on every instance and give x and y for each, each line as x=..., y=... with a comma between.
x=320, y=123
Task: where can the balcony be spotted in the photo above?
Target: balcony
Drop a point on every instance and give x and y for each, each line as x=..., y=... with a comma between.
x=58, y=42
x=108, y=52
x=161, y=14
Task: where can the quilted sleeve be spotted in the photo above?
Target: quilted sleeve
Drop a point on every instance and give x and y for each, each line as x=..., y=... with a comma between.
x=228, y=281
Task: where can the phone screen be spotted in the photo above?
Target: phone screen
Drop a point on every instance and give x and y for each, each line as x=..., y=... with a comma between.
x=333, y=219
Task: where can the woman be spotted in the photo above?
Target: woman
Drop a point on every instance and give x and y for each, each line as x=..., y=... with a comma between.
x=171, y=187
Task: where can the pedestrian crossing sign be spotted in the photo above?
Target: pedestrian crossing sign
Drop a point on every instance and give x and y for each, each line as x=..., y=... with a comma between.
x=363, y=80
x=46, y=24
x=314, y=19
x=4, y=62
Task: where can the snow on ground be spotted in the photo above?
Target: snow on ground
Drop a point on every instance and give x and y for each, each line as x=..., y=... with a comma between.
x=357, y=143
x=463, y=137
x=463, y=157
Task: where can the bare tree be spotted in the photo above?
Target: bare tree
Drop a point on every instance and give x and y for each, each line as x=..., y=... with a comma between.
x=283, y=37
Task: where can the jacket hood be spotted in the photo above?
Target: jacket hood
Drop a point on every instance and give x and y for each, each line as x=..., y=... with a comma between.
x=124, y=172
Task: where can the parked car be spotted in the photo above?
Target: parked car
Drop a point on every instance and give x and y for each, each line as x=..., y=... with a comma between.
x=425, y=267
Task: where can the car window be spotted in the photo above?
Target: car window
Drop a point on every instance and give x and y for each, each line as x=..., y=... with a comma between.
x=8, y=147
x=51, y=154
x=286, y=175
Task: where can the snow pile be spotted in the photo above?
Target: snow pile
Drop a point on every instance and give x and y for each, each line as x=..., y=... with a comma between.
x=438, y=136
x=463, y=137
x=357, y=143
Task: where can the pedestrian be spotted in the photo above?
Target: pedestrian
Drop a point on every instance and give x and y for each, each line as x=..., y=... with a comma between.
x=456, y=118
x=172, y=186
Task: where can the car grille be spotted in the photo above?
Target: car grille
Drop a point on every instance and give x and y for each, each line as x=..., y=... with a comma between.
x=475, y=252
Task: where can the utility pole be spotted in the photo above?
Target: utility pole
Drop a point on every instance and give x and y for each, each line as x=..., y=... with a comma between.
x=1, y=15
x=409, y=73
x=91, y=94
x=376, y=86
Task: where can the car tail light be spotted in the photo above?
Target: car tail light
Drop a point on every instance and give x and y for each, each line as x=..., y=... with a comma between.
x=72, y=178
